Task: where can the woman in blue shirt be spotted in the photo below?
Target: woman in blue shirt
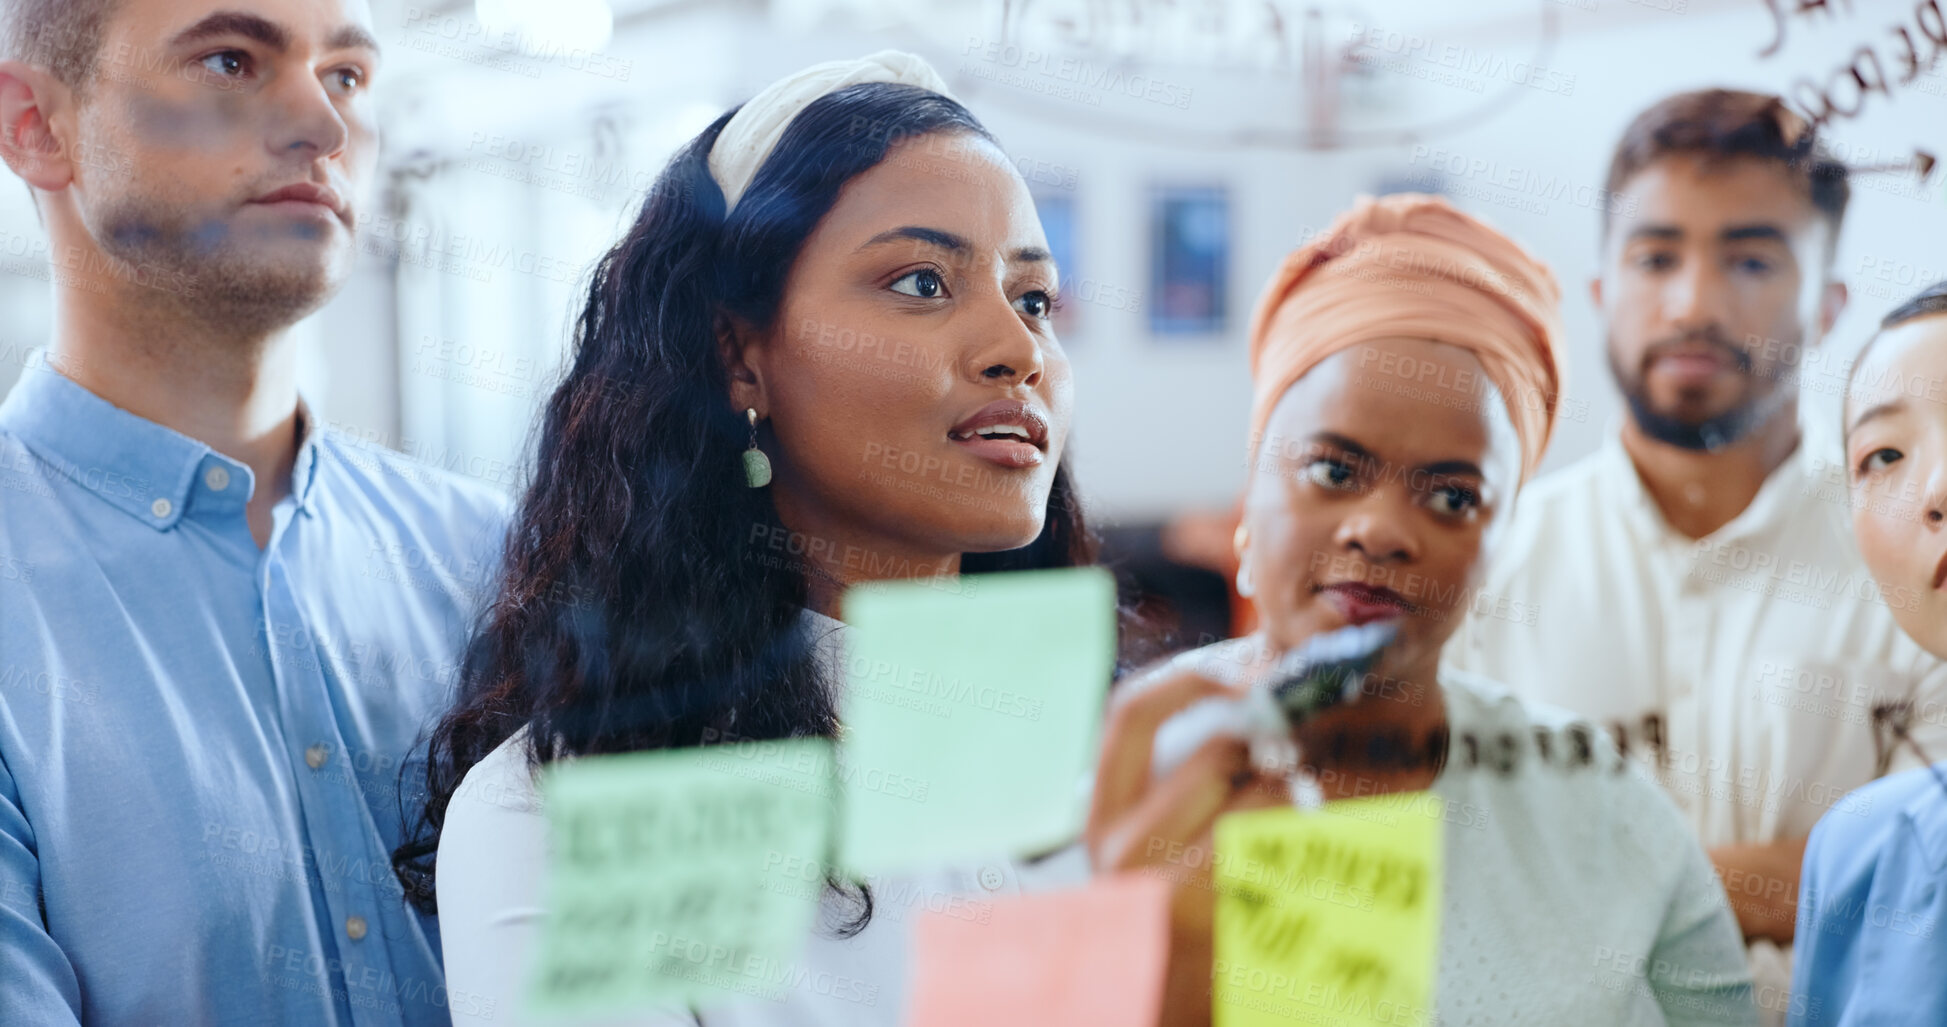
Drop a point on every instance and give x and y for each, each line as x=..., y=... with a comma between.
x=1871, y=899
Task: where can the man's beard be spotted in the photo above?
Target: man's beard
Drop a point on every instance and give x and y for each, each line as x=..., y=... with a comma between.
x=200, y=266
x=1707, y=434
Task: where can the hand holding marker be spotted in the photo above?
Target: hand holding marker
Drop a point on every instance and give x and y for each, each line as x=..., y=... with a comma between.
x=1325, y=672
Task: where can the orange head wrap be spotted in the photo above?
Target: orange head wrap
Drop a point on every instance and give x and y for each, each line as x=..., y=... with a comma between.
x=1411, y=266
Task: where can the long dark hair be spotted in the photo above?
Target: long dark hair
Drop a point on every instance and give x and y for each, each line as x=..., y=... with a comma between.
x=633, y=611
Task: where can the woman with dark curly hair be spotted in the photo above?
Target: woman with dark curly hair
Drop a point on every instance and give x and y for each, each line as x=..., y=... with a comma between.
x=821, y=355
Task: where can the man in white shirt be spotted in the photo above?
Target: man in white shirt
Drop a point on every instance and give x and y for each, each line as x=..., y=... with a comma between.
x=1693, y=585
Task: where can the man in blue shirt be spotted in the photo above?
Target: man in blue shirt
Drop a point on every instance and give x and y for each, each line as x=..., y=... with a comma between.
x=222, y=625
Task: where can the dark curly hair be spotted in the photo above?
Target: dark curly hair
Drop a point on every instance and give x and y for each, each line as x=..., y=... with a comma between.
x=628, y=615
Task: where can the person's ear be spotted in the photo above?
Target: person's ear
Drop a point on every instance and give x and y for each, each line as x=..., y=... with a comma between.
x=745, y=366
x=1832, y=303
x=1595, y=292
x=29, y=98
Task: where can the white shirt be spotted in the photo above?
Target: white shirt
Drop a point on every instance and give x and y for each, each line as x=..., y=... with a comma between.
x=492, y=866
x=1573, y=894
x=1750, y=652
x=1573, y=891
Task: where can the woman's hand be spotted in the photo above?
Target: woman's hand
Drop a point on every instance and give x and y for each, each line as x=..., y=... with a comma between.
x=1166, y=826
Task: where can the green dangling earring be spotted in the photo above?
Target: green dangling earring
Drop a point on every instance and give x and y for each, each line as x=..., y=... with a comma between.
x=757, y=466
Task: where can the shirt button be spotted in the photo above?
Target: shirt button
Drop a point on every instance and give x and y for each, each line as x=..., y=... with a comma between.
x=316, y=756
x=217, y=478
x=991, y=879
x=161, y=507
x=355, y=927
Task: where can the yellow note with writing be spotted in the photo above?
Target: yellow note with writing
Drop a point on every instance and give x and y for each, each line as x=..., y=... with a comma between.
x=1328, y=916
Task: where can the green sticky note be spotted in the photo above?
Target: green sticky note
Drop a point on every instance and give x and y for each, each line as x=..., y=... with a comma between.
x=971, y=711
x=678, y=876
x=1328, y=916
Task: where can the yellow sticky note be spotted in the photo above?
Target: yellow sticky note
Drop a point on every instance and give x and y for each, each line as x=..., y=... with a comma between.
x=1328, y=916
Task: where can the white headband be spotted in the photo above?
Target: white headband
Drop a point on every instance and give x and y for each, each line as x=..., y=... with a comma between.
x=752, y=134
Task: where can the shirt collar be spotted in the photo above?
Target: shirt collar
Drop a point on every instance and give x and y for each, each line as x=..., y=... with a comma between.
x=1928, y=811
x=1636, y=503
x=819, y=623
x=304, y=470
x=1777, y=499
x=154, y=474
x=829, y=638
x=1781, y=495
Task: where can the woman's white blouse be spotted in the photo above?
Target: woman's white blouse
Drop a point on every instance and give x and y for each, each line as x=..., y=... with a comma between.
x=491, y=871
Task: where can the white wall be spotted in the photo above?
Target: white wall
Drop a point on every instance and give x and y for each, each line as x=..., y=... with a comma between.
x=1160, y=423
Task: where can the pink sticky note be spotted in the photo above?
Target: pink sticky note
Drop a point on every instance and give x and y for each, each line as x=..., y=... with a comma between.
x=1096, y=955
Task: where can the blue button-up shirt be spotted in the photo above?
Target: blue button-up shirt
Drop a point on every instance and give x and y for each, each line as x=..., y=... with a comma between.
x=1872, y=908
x=200, y=740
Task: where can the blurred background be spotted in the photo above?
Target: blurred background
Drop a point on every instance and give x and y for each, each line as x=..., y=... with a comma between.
x=1177, y=149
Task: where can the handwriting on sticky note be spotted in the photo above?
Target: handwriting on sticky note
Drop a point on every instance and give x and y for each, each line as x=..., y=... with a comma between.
x=1328, y=916
x=1095, y=955
x=971, y=715
x=671, y=874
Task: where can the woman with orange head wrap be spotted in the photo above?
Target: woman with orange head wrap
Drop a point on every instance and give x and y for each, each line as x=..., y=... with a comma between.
x=1406, y=375
x=1415, y=331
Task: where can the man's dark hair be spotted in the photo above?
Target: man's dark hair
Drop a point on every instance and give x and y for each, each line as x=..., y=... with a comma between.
x=63, y=36
x=1727, y=124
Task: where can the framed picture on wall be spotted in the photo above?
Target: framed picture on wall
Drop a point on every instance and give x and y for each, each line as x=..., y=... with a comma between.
x=1057, y=212
x=1189, y=260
